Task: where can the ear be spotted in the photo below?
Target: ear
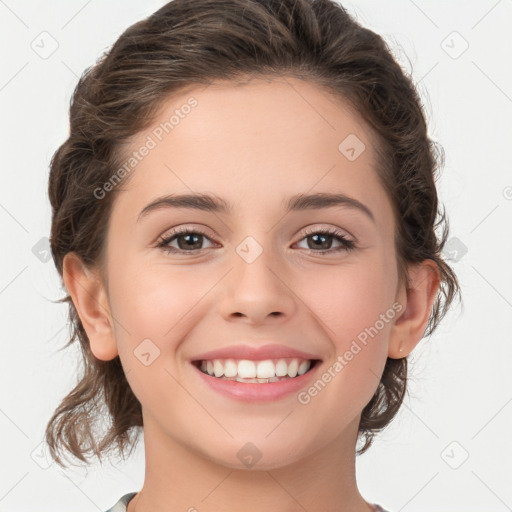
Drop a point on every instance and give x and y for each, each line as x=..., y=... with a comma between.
x=417, y=301
x=91, y=302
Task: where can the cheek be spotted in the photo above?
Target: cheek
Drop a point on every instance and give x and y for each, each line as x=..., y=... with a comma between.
x=153, y=309
x=152, y=300
x=353, y=307
x=348, y=298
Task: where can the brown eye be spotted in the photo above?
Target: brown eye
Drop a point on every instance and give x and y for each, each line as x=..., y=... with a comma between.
x=188, y=241
x=321, y=241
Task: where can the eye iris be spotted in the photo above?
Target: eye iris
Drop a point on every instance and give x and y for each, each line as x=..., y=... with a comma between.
x=318, y=235
x=321, y=240
x=188, y=237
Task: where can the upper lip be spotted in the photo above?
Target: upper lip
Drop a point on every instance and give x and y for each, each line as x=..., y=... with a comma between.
x=270, y=351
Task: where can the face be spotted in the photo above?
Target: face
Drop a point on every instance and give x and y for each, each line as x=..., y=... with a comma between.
x=257, y=273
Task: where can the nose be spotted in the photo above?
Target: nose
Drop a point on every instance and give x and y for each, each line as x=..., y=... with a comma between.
x=258, y=291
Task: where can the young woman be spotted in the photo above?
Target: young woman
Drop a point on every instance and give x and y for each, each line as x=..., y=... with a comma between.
x=244, y=216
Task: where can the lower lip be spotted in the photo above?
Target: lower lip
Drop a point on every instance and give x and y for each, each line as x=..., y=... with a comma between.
x=258, y=392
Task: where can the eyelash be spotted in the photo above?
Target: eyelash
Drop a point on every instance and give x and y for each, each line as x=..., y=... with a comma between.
x=347, y=245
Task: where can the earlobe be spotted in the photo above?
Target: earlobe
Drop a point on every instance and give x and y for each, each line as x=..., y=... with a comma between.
x=409, y=328
x=90, y=300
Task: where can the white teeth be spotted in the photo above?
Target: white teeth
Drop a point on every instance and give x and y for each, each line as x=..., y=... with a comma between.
x=303, y=367
x=265, y=370
x=230, y=368
x=246, y=369
x=218, y=369
x=281, y=368
x=292, y=368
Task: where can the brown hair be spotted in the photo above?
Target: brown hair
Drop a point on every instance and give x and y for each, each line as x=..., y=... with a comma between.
x=193, y=42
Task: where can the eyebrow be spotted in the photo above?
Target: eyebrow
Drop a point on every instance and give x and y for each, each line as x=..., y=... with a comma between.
x=214, y=204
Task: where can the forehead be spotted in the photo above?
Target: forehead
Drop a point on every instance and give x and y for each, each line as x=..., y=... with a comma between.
x=259, y=140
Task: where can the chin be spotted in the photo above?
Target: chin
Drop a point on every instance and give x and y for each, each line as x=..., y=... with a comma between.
x=253, y=457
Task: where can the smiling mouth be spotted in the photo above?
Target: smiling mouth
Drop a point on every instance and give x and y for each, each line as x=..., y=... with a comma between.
x=256, y=372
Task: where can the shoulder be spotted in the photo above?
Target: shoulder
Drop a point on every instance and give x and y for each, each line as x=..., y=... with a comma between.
x=378, y=508
x=121, y=505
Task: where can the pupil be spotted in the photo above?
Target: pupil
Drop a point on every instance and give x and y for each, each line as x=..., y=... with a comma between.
x=188, y=237
x=315, y=237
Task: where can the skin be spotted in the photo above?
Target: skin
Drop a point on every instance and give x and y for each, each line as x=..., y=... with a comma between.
x=254, y=145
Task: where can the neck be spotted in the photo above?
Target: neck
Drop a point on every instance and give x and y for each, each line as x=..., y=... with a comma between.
x=178, y=478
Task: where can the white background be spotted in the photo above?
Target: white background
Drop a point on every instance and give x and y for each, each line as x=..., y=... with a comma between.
x=460, y=393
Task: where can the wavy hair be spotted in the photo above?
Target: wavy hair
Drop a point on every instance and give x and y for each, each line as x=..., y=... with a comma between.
x=195, y=42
